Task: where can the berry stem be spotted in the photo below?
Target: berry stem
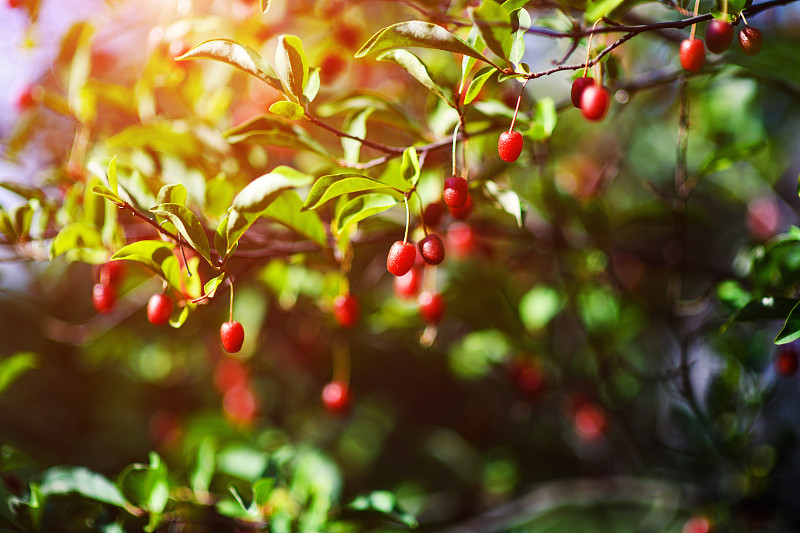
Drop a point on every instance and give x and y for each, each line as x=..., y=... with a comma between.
x=230, y=319
x=455, y=143
x=744, y=19
x=694, y=26
x=516, y=109
x=341, y=361
x=422, y=214
x=589, y=50
x=408, y=218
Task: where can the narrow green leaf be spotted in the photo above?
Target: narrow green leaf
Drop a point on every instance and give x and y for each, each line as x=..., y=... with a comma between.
x=520, y=23
x=150, y=253
x=791, y=328
x=188, y=225
x=64, y=480
x=112, y=175
x=362, y=207
x=262, y=489
x=174, y=193
x=409, y=167
x=76, y=239
x=205, y=465
x=544, y=120
x=14, y=366
x=237, y=55
x=211, y=285
x=291, y=64
x=467, y=62
x=600, y=9
x=221, y=238
x=158, y=493
x=6, y=227
x=414, y=66
x=265, y=5
x=180, y=320
x=477, y=83
x=102, y=190
x=492, y=22
x=418, y=34
x=29, y=193
x=334, y=185
x=287, y=109
x=312, y=87
x=287, y=210
x=355, y=125
x=507, y=199
x=386, y=503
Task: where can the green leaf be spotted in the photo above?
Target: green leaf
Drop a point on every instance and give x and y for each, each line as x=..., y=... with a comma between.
x=418, y=34
x=363, y=207
x=29, y=193
x=258, y=195
x=147, y=486
x=409, y=168
x=791, y=328
x=492, y=22
x=600, y=9
x=384, y=502
x=242, y=461
x=355, y=125
x=237, y=55
x=180, y=320
x=14, y=366
x=211, y=285
x=544, y=120
x=79, y=241
x=416, y=68
x=64, y=480
x=507, y=199
x=188, y=225
x=6, y=227
x=287, y=209
x=287, y=109
x=334, y=185
x=312, y=87
x=200, y=478
x=477, y=84
x=467, y=62
x=520, y=23
x=291, y=64
x=102, y=190
x=150, y=253
x=174, y=193
x=112, y=175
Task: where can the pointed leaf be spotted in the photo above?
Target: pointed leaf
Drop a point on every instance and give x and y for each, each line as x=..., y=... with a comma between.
x=174, y=193
x=414, y=66
x=334, y=185
x=492, y=21
x=64, y=480
x=409, y=168
x=507, y=199
x=112, y=175
x=791, y=328
x=237, y=55
x=150, y=253
x=287, y=210
x=362, y=207
x=467, y=62
x=289, y=110
x=102, y=190
x=419, y=34
x=188, y=225
x=356, y=125
x=265, y=5
x=291, y=64
x=477, y=84
x=14, y=366
x=520, y=23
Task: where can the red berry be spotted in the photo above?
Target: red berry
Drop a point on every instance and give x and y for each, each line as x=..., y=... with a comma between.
x=460, y=239
x=15, y=3
x=509, y=146
x=103, y=297
x=692, y=54
x=347, y=310
x=331, y=67
x=401, y=258
x=240, y=403
x=697, y=524
x=527, y=374
x=432, y=249
x=463, y=212
x=24, y=98
x=335, y=397
x=719, y=36
x=431, y=307
x=787, y=363
x=578, y=86
x=159, y=309
x=590, y=421
x=455, y=191
x=111, y=273
x=232, y=336
x=750, y=40
x=594, y=102
x=407, y=285
x=433, y=214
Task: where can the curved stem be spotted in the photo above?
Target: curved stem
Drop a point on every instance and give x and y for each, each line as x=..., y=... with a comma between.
x=408, y=218
x=455, y=143
x=589, y=49
x=422, y=214
x=516, y=109
x=230, y=319
x=694, y=26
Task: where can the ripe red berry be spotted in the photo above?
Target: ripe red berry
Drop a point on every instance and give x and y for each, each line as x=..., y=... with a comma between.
x=407, y=285
x=509, y=146
x=240, y=403
x=232, y=336
x=527, y=375
x=455, y=191
x=750, y=40
x=335, y=397
x=433, y=214
x=697, y=524
x=463, y=212
x=692, y=54
x=401, y=258
x=590, y=421
x=24, y=98
x=787, y=363
x=432, y=249
x=594, y=102
x=431, y=307
x=103, y=297
x=347, y=310
x=159, y=309
x=331, y=67
x=15, y=3
x=229, y=374
x=719, y=36
x=111, y=273
x=460, y=239
x=578, y=86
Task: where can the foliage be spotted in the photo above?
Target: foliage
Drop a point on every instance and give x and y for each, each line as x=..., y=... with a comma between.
x=613, y=300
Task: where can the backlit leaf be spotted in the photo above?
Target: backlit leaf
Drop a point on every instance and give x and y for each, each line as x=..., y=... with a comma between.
x=291, y=65
x=414, y=66
x=237, y=55
x=334, y=185
x=362, y=207
x=188, y=225
x=287, y=109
